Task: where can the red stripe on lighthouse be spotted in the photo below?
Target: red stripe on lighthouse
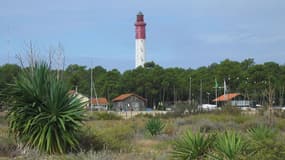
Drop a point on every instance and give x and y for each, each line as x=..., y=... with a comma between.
x=140, y=26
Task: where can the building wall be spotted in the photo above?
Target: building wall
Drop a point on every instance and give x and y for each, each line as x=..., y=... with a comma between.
x=131, y=103
x=83, y=99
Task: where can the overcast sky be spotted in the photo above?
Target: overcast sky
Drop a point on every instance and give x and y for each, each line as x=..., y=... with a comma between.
x=181, y=33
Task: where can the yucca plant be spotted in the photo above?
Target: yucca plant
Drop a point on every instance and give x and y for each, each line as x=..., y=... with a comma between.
x=42, y=114
x=261, y=132
x=229, y=146
x=192, y=146
x=265, y=144
x=154, y=126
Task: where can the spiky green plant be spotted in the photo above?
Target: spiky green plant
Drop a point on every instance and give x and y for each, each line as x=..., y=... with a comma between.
x=229, y=146
x=154, y=126
x=192, y=146
x=261, y=132
x=265, y=144
x=42, y=114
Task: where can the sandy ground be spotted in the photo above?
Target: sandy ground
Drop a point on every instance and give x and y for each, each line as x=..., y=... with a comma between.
x=2, y=113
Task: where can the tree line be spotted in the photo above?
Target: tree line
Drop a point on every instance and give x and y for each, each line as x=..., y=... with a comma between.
x=170, y=85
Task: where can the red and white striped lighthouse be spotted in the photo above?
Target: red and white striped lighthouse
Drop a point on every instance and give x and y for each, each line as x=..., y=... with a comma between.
x=140, y=40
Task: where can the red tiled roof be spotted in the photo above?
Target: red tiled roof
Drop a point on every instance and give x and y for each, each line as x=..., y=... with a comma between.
x=101, y=101
x=125, y=96
x=226, y=97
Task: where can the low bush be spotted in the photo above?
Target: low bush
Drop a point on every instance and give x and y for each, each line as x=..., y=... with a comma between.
x=207, y=126
x=181, y=110
x=117, y=137
x=154, y=126
x=240, y=119
x=280, y=124
x=103, y=116
x=140, y=115
x=229, y=146
x=183, y=121
x=88, y=140
x=215, y=117
x=231, y=110
x=192, y=146
x=261, y=133
x=169, y=128
x=266, y=143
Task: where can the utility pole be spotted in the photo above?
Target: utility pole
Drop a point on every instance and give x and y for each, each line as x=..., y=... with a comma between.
x=225, y=90
x=208, y=97
x=216, y=90
x=216, y=96
x=8, y=43
x=201, y=92
x=190, y=89
x=91, y=86
x=174, y=95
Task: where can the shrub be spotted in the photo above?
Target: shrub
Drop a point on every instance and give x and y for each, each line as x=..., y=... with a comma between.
x=181, y=109
x=89, y=141
x=169, y=128
x=183, y=121
x=207, y=126
x=154, y=126
x=113, y=135
x=192, y=146
x=265, y=144
x=230, y=110
x=42, y=114
x=103, y=116
x=261, y=132
x=229, y=146
x=280, y=124
x=117, y=137
x=140, y=115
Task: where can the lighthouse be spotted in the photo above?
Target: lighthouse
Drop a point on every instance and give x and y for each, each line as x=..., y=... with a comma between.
x=140, y=40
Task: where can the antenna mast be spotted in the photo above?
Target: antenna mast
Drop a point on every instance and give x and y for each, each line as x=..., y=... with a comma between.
x=91, y=82
x=8, y=43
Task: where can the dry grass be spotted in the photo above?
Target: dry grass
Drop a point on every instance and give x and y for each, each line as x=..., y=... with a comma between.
x=127, y=139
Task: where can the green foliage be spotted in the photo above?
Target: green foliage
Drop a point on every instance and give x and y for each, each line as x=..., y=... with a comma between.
x=89, y=141
x=42, y=114
x=192, y=146
x=207, y=126
x=159, y=84
x=230, y=110
x=154, y=126
x=186, y=109
x=265, y=143
x=103, y=116
x=229, y=146
x=8, y=72
x=117, y=137
x=261, y=132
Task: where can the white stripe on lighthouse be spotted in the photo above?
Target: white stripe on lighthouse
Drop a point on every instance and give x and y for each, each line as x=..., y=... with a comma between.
x=140, y=52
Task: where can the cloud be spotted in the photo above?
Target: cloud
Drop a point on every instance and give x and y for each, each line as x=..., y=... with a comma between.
x=178, y=32
x=241, y=38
